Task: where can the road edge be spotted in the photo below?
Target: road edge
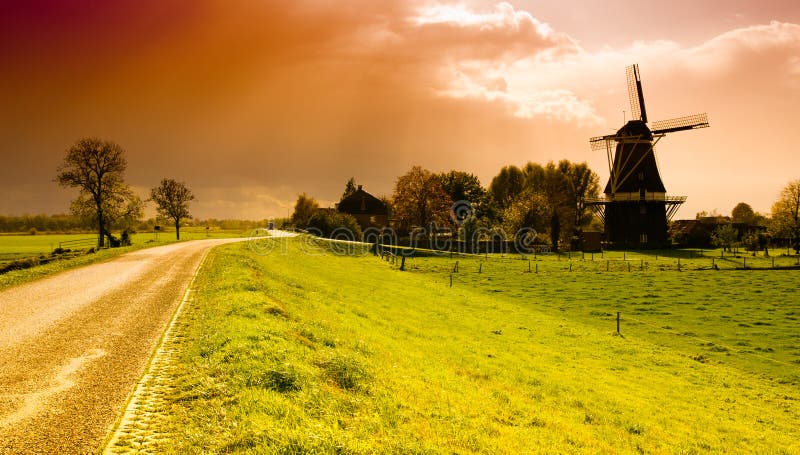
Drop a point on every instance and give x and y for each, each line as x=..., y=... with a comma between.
x=160, y=355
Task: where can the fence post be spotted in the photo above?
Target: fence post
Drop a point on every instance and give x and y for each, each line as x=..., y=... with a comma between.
x=773, y=262
x=641, y=265
x=607, y=265
x=570, y=266
x=529, y=266
x=679, y=263
x=617, y=322
x=402, y=263
x=537, y=267
x=480, y=267
x=629, y=266
x=744, y=262
x=451, y=280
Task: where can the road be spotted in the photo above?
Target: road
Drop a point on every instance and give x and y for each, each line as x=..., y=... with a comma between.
x=74, y=345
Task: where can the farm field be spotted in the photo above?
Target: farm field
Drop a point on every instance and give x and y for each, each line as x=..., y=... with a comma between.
x=20, y=246
x=300, y=350
x=45, y=243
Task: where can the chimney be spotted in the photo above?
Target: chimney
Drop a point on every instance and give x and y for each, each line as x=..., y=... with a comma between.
x=359, y=187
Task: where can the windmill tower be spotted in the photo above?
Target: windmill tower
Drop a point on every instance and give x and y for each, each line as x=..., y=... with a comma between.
x=636, y=208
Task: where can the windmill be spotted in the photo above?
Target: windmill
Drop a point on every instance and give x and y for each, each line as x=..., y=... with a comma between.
x=636, y=207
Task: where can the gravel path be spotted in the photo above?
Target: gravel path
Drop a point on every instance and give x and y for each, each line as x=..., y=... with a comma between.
x=74, y=345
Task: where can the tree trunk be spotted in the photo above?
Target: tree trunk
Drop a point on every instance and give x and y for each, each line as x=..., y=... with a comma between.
x=177, y=229
x=100, y=228
x=555, y=232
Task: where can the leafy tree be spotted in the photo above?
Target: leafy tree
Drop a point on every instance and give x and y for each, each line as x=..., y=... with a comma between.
x=743, y=213
x=724, y=236
x=565, y=187
x=420, y=200
x=786, y=215
x=530, y=210
x=96, y=168
x=349, y=188
x=327, y=222
x=172, y=201
x=463, y=186
x=506, y=186
x=304, y=208
x=551, y=184
x=582, y=184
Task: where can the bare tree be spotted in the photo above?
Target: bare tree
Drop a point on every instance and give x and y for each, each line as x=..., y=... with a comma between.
x=95, y=167
x=123, y=209
x=172, y=200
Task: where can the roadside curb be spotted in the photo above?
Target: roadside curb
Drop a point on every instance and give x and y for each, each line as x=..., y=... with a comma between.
x=133, y=431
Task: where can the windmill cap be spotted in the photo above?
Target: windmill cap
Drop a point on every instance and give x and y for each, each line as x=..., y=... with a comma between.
x=635, y=128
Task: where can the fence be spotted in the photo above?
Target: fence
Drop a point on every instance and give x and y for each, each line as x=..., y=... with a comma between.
x=80, y=244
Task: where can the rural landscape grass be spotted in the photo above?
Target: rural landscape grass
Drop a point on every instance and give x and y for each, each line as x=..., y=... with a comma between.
x=21, y=246
x=302, y=351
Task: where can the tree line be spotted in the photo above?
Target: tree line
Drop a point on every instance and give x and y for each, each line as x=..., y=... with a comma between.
x=548, y=198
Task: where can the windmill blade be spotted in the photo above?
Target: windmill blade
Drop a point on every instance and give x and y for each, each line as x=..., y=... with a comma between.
x=635, y=94
x=690, y=122
x=599, y=142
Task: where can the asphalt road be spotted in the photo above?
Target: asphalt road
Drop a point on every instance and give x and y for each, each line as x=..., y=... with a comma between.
x=73, y=346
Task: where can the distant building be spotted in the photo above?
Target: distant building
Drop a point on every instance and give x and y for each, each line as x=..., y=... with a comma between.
x=368, y=210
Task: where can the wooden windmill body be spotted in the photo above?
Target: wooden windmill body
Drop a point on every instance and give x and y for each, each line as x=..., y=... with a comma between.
x=635, y=207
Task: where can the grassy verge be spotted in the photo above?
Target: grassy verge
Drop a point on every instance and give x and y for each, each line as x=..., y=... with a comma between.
x=33, y=245
x=304, y=351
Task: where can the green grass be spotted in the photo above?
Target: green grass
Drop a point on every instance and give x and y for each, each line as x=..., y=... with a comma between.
x=311, y=352
x=15, y=247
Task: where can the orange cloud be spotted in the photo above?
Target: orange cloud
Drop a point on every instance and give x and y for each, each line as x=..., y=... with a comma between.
x=280, y=98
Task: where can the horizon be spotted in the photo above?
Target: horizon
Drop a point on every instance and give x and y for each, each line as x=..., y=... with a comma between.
x=253, y=104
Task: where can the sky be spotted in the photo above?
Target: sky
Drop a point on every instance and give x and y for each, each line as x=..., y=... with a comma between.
x=251, y=102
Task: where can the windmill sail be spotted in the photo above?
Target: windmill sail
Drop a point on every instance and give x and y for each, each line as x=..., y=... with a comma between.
x=689, y=122
x=635, y=94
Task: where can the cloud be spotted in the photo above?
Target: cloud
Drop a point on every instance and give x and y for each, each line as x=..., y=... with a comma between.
x=253, y=102
x=478, y=51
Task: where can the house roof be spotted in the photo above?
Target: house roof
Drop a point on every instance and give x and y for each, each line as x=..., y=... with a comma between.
x=362, y=203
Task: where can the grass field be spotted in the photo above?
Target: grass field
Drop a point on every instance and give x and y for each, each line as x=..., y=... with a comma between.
x=20, y=246
x=304, y=351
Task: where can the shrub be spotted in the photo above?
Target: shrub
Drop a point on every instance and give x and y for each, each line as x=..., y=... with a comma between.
x=20, y=264
x=345, y=371
x=32, y=231
x=282, y=379
x=326, y=222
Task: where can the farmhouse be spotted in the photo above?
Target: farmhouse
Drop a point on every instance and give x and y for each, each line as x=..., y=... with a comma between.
x=368, y=210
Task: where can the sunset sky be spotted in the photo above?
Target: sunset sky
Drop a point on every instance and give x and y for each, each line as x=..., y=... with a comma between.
x=251, y=102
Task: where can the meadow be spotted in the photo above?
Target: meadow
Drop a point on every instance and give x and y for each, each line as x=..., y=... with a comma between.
x=295, y=349
x=15, y=247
